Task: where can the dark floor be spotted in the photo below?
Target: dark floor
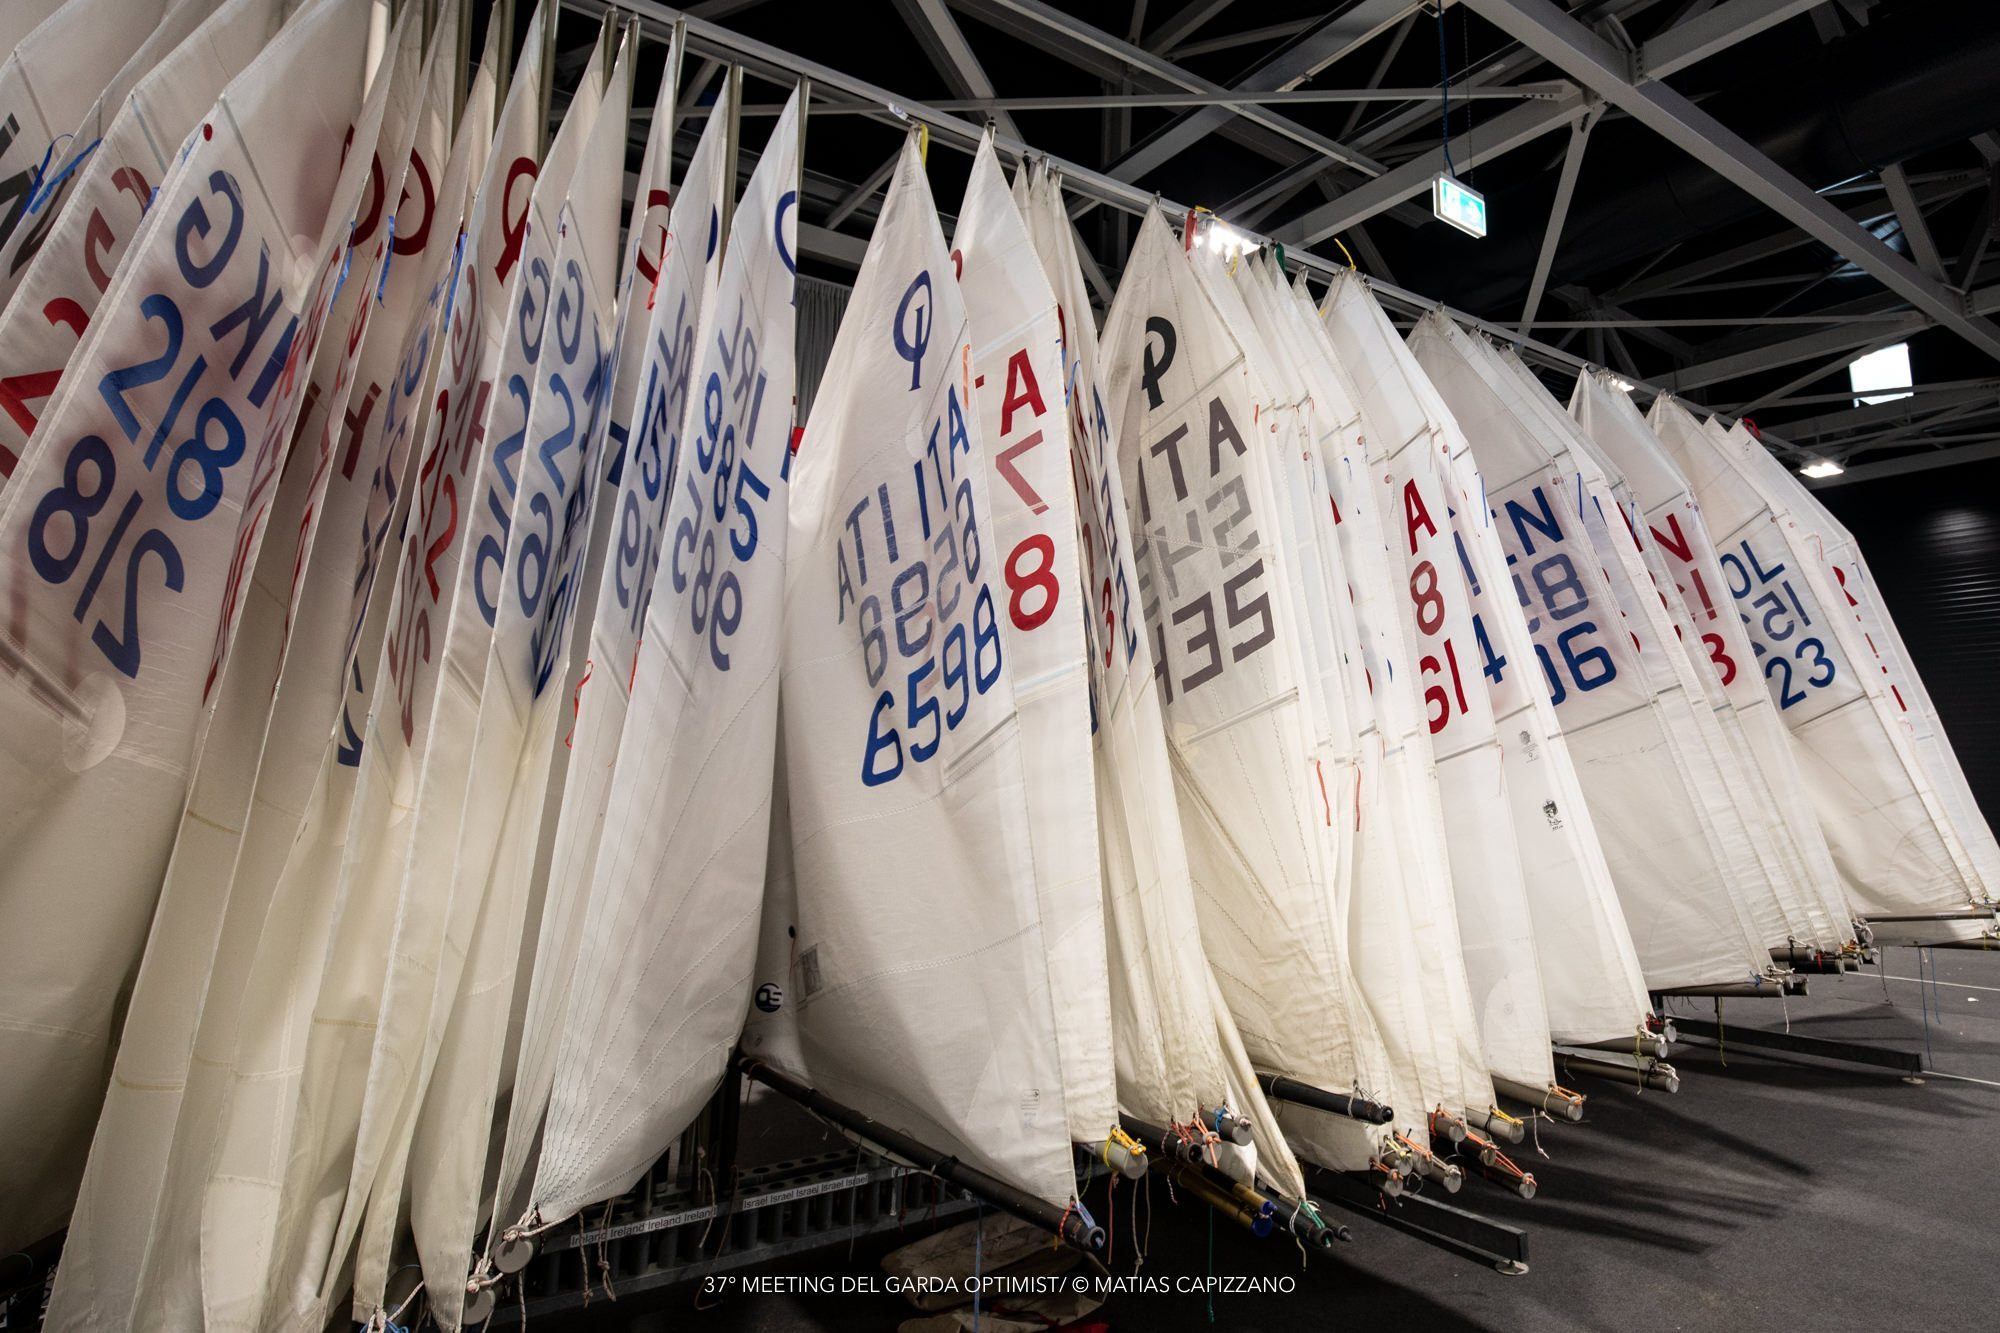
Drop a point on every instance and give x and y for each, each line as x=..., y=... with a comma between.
x=1775, y=1193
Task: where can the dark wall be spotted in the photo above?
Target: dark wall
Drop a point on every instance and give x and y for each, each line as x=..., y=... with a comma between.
x=1932, y=540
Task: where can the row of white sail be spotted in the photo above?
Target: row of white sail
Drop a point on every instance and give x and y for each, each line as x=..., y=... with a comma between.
x=440, y=691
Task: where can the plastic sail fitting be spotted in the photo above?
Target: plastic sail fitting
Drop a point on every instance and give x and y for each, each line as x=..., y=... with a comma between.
x=1122, y=1151
x=1229, y=1126
x=1444, y=1125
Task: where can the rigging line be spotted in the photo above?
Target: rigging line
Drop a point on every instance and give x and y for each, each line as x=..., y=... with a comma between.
x=1961, y=1078
x=1962, y=985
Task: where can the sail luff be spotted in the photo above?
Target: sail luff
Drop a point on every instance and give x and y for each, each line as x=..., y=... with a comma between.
x=668, y=286
x=905, y=772
x=670, y=931
x=1017, y=371
x=146, y=688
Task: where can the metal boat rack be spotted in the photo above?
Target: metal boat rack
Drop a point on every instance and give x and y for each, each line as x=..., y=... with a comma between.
x=1428, y=1218
x=684, y=1221
x=1907, y=1064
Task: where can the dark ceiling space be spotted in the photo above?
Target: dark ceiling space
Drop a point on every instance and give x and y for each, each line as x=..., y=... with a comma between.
x=1697, y=285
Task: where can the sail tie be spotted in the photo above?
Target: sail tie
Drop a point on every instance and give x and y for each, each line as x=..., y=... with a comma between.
x=576, y=701
x=388, y=256
x=44, y=189
x=604, y=1250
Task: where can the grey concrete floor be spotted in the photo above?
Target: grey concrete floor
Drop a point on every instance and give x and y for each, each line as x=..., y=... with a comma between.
x=1771, y=1192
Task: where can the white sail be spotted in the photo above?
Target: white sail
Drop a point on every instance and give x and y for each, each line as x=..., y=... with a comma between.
x=1744, y=805
x=55, y=178
x=1887, y=832
x=1640, y=582
x=1179, y=1060
x=1495, y=735
x=1404, y=925
x=670, y=932
x=672, y=263
x=239, y=1145
x=1262, y=838
x=520, y=716
x=359, y=1125
x=108, y=195
x=1017, y=374
x=50, y=79
x=1474, y=927
x=277, y=701
x=113, y=663
x=903, y=760
x=1679, y=904
x=18, y=19
x=1840, y=554
x=1769, y=786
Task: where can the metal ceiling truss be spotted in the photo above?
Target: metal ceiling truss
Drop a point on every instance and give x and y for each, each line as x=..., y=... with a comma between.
x=1372, y=167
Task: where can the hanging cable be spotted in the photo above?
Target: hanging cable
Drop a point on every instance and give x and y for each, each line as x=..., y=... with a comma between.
x=1465, y=52
x=1444, y=95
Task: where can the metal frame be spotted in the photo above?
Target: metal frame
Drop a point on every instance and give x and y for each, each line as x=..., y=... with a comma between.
x=1385, y=155
x=1450, y=1228
x=1905, y=1063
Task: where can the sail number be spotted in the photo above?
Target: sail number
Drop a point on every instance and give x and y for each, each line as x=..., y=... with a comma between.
x=920, y=600
x=718, y=528
x=1558, y=605
x=1783, y=635
x=82, y=524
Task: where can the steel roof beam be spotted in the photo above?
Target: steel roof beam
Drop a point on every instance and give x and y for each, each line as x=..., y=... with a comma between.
x=1916, y=231
x=1315, y=49
x=1488, y=139
x=938, y=33
x=1607, y=71
x=1579, y=139
x=1717, y=30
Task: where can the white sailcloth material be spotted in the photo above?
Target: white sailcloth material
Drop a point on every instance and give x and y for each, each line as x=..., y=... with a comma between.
x=277, y=701
x=1768, y=788
x=1017, y=373
x=118, y=626
x=670, y=933
x=19, y=18
x=1837, y=550
x=1494, y=736
x=1888, y=833
x=1474, y=929
x=361, y=1126
x=1403, y=930
x=241, y=1122
x=1179, y=1060
x=521, y=712
x=1679, y=904
x=672, y=259
x=1255, y=803
x=1639, y=581
x=53, y=179
x=106, y=197
x=52, y=77
x=903, y=760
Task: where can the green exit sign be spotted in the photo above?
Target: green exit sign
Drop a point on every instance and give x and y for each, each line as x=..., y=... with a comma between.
x=1459, y=204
